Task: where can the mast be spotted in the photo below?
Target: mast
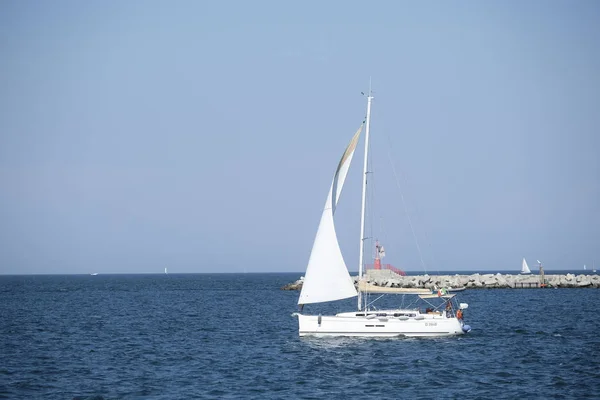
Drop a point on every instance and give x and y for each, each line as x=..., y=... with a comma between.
x=364, y=196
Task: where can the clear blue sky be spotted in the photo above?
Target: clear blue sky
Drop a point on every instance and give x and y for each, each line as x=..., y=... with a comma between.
x=202, y=136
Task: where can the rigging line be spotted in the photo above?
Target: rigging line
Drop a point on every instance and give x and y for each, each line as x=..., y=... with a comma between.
x=370, y=202
x=428, y=243
x=376, y=211
x=373, y=205
x=405, y=207
x=376, y=223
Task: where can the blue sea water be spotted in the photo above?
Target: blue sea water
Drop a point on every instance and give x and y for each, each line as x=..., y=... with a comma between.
x=232, y=336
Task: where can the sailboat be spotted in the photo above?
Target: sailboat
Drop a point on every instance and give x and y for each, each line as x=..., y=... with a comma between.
x=327, y=279
x=525, y=268
x=166, y=273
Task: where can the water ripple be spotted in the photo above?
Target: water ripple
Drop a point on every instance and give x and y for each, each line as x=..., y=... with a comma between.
x=232, y=336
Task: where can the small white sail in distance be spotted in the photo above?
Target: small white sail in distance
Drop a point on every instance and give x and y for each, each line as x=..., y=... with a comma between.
x=327, y=277
x=524, y=267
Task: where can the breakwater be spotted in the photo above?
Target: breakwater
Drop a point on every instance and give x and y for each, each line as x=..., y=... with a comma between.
x=386, y=278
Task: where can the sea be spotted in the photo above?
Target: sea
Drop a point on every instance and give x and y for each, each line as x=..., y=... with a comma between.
x=233, y=336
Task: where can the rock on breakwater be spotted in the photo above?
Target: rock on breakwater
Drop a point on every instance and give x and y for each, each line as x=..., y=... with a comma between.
x=386, y=278
x=295, y=285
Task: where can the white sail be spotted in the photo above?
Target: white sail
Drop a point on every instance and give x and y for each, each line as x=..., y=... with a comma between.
x=327, y=277
x=524, y=268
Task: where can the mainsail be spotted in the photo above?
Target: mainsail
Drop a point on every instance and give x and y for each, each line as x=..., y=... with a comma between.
x=327, y=277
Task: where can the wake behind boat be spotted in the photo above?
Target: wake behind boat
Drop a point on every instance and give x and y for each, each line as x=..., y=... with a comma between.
x=327, y=279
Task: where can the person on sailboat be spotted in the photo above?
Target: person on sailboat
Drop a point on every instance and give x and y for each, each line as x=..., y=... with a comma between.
x=448, y=308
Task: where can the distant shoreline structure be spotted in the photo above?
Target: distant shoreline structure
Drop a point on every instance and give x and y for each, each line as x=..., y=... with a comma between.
x=385, y=278
x=299, y=273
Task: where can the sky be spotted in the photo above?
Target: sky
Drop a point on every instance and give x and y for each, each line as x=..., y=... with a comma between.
x=202, y=136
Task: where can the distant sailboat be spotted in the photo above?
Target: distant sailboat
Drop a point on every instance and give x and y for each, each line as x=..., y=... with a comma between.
x=584, y=267
x=166, y=273
x=524, y=267
x=94, y=273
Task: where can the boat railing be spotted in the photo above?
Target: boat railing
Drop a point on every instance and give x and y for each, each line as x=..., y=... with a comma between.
x=386, y=266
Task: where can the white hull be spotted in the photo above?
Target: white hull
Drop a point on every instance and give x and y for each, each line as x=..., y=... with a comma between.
x=349, y=324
